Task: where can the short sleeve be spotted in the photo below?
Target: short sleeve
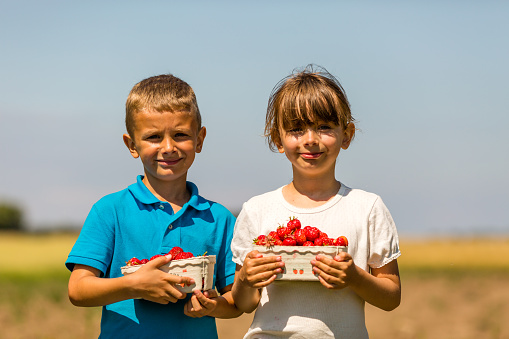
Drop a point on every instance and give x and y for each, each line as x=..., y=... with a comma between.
x=225, y=266
x=383, y=236
x=94, y=246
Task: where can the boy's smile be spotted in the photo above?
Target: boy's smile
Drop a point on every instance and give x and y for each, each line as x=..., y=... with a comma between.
x=166, y=143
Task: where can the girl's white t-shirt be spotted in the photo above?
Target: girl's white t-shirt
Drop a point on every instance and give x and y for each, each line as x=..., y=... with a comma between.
x=293, y=309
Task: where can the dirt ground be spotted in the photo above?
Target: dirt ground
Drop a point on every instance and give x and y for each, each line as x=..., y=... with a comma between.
x=458, y=307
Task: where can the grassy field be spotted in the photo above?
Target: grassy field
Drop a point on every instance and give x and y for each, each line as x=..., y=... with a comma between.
x=458, y=285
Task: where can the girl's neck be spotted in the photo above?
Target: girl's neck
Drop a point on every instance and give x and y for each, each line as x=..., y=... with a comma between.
x=311, y=192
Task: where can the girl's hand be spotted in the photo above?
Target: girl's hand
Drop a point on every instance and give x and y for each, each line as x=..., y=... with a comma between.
x=259, y=271
x=152, y=284
x=201, y=304
x=335, y=273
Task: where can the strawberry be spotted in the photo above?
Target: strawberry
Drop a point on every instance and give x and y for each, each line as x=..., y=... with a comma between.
x=300, y=236
x=261, y=240
x=312, y=233
x=293, y=224
x=133, y=262
x=144, y=261
x=323, y=235
x=277, y=242
x=156, y=256
x=341, y=241
x=308, y=243
x=328, y=241
x=289, y=241
x=174, y=251
x=184, y=255
x=283, y=232
x=318, y=241
x=273, y=236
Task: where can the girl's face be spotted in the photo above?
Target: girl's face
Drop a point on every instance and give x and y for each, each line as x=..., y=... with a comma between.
x=313, y=149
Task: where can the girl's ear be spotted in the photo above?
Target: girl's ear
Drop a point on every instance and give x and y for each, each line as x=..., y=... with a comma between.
x=349, y=133
x=128, y=141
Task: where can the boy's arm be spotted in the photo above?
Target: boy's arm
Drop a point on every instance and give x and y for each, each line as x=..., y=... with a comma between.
x=86, y=288
x=381, y=288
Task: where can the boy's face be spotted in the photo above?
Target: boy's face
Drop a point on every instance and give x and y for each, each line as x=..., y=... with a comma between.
x=166, y=143
x=313, y=149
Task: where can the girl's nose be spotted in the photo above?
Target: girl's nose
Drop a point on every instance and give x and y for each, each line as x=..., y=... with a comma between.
x=310, y=137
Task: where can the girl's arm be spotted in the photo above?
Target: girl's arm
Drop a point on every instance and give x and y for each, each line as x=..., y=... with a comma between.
x=257, y=272
x=381, y=288
x=209, y=303
x=86, y=288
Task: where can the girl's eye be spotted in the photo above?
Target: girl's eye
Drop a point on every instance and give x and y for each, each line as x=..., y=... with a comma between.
x=324, y=127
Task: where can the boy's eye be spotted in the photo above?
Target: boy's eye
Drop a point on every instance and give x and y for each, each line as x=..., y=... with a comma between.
x=324, y=127
x=152, y=137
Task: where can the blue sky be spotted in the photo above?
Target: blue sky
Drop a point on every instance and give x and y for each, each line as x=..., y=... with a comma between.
x=427, y=83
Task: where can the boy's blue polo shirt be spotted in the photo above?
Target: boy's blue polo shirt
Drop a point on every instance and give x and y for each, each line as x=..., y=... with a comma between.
x=134, y=223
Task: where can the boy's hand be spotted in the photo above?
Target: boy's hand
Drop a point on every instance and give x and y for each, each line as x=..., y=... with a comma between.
x=201, y=304
x=152, y=284
x=335, y=273
x=259, y=271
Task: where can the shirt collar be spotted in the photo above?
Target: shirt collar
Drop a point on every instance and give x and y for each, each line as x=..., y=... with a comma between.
x=143, y=195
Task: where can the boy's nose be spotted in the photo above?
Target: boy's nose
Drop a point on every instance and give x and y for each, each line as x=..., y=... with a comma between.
x=167, y=145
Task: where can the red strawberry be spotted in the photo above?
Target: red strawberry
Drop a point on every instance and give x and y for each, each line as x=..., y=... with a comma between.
x=312, y=233
x=293, y=224
x=319, y=241
x=261, y=240
x=283, y=232
x=174, y=251
x=341, y=241
x=272, y=235
x=133, y=262
x=300, y=236
x=184, y=255
x=156, y=256
x=308, y=243
x=144, y=261
x=277, y=242
x=289, y=241
x=328, y=241
x=323, y=235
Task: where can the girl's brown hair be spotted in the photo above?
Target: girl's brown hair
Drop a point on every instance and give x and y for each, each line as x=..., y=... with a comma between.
x=304, y=98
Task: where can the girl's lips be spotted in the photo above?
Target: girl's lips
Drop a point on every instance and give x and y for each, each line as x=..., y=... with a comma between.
x=310, y=155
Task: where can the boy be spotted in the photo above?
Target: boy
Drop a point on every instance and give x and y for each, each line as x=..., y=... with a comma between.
x=160, y=211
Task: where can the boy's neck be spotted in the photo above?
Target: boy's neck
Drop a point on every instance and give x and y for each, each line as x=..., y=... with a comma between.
x=174, y=192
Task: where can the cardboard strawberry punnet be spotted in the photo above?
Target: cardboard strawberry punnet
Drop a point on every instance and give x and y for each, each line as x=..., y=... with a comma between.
x=185, y=264
x=297, y=246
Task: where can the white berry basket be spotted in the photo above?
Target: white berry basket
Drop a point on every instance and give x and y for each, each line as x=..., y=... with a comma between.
x=201, y=269
x=297, y=259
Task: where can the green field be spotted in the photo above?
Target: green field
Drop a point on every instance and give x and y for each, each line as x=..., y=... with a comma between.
x=459, y=283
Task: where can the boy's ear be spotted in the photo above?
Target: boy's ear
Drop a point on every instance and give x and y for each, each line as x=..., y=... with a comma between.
x=128, y=141
x=349, y=133
x=201, y=137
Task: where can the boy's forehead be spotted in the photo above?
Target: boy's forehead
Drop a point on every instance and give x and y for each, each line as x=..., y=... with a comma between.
x=154, y=116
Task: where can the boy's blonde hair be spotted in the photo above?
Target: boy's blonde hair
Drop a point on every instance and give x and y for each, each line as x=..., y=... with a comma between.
x=305, y=97
x=161, y=93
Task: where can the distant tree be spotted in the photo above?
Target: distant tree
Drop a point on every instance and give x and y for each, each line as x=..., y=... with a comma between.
x=11, y=217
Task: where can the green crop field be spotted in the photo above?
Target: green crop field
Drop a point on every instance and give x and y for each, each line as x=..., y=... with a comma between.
x=459, y=285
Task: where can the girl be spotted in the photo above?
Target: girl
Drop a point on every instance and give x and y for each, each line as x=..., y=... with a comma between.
x=309, y=120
